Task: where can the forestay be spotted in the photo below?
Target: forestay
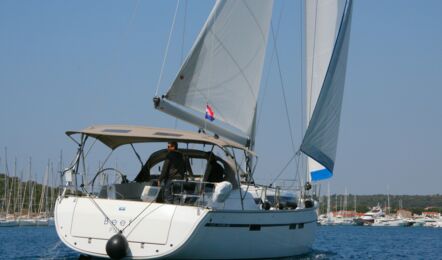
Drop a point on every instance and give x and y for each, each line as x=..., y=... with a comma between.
x=327, y=38
x=223, y=69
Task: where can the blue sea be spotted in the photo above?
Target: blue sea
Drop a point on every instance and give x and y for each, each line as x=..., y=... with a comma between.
x=332, y=242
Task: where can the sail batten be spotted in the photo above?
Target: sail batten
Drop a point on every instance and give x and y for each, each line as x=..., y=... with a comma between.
x=327, y=79
x=223, y=69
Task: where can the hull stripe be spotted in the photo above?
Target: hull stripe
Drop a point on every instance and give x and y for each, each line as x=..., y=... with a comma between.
x=291, y=225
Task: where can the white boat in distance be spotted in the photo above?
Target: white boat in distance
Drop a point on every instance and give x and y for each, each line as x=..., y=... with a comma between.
x=392, y=222
x=235, y=218
x=369, y=217
x=8, y=223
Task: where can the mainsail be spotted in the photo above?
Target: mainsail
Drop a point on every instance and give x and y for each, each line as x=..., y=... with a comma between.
x=327, y=39
x=223, y=71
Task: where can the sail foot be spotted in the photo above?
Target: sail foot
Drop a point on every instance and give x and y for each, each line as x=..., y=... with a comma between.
x=175, y=110
x=318, y=156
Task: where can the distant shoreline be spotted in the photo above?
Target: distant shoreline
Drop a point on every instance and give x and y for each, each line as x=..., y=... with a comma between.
x=414, y=203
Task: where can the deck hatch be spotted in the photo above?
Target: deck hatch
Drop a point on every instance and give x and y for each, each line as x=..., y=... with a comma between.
x=167, y=134
x=121, y=131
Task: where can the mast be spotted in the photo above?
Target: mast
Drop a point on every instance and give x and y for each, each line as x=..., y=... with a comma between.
x=4, y=197
x=15, y=189
x=20, y=196
x=345, y=201
x=6, y=201
x=52, y=187
x=24, y=189
x=41, y=203
x=388, y=200
x=355, y=203
x=328, y=201
x=11, y=192
x=31, y=189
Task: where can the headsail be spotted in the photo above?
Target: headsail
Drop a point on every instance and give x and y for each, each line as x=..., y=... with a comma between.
x=223, y=70
x=327, y=39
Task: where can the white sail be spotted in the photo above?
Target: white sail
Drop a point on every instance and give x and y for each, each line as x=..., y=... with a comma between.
x=223, y=69
x=327, y=38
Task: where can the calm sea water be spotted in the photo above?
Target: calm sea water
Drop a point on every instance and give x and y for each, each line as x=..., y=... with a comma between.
x=334, y=242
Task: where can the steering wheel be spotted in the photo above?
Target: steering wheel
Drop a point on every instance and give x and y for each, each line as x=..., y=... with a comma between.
x=123, y=176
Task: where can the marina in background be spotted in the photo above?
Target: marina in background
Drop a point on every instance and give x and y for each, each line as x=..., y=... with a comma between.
x=381, y=210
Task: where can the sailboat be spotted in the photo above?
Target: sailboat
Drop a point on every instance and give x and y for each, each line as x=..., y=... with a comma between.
x=7, y=219
x=234, y=218
x=28, y=219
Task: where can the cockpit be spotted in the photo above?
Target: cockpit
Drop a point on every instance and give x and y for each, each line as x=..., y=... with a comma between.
x=206, y=162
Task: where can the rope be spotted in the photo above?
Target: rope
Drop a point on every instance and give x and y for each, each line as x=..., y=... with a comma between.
x=283, y=92
x=167, y=49
x=297, y=173
x=90, y=148
x=110, y=221
x=301, y=17
x=283, y=169
x=101, y=210
x=130, y=222
x=175, y=126
x=266, y=84
x=313, y=62
x=184, y=31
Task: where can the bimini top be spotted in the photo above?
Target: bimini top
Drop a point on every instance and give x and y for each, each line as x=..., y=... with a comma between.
x=116, y=135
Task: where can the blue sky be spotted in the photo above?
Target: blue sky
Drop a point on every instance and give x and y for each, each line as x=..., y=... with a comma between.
x=70, y=64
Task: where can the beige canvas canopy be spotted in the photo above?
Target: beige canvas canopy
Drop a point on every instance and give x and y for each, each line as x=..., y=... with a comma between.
x=116, y=135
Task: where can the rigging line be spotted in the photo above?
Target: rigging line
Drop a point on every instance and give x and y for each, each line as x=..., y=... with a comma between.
x=105, y=161
x=102, y=211
x=297, y=173
x=166, y=52
x=313, y=64
x=301, y=32
x=139, y=214
x=283, y=169
x=184, y=30
x=238, y=176
x=138, y=156
x=182, y=46
x=266, y=84
x=90, y=148
x=283, y=92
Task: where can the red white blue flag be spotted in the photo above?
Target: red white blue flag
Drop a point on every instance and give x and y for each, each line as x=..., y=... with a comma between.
x=209, y=113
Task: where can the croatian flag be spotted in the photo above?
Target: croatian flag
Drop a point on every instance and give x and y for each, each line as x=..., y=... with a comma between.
x=209, y=113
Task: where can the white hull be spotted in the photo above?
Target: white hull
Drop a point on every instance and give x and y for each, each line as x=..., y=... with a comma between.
x=387, y=222
x=184, y=232
x=8, y=223
x=27, y=222
x=42, y=222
